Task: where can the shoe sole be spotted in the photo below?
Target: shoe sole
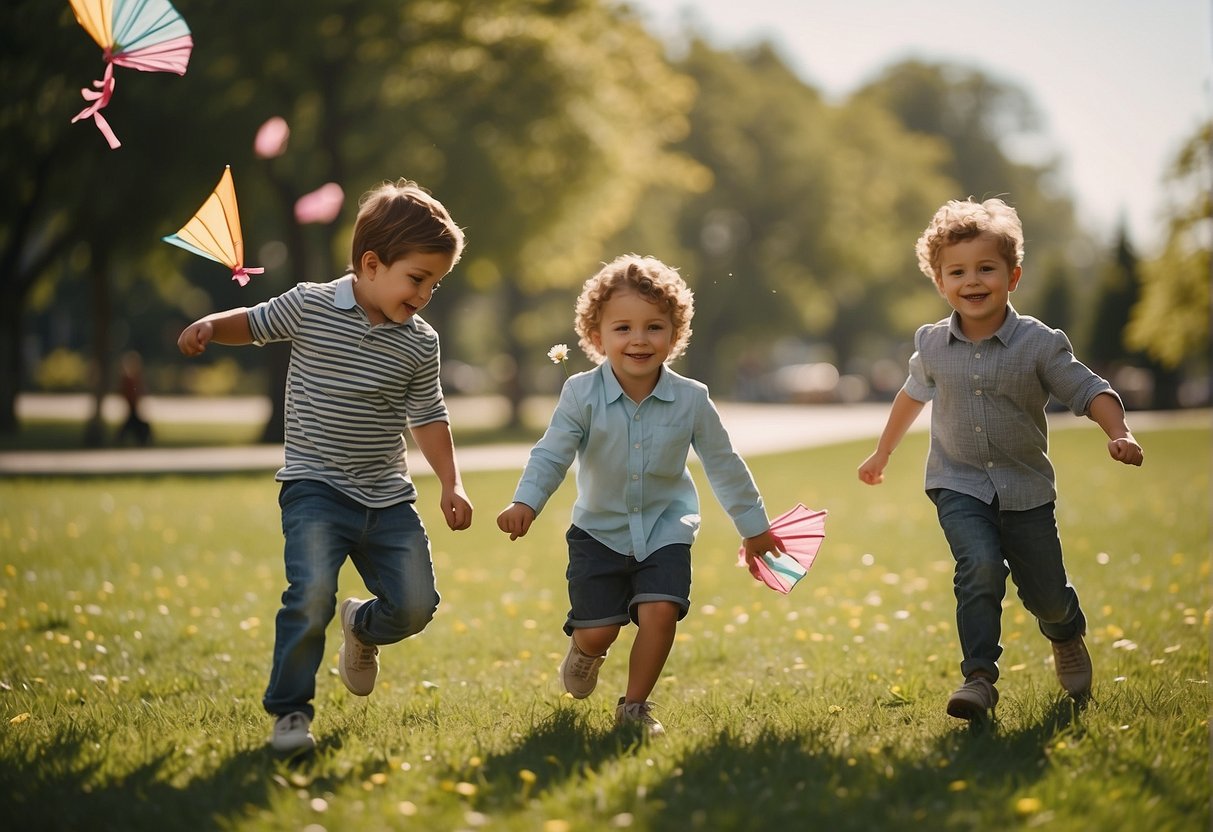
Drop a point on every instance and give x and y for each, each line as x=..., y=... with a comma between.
x=964, y=709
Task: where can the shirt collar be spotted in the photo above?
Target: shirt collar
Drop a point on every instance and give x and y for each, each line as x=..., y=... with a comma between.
x=1003, y=334
x=343, y=298
x=664, y=389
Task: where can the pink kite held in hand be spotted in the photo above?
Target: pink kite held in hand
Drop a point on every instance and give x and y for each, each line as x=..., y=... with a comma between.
x=801, y=530
x=148, y=35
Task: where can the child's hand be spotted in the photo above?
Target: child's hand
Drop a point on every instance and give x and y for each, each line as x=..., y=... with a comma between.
x=1126, y=450
x=457, y=509
x=516, y=519
x=755, y=546
x=872, y=470
x=195, y=337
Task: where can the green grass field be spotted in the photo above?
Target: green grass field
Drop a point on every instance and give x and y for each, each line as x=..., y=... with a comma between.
x=136, y=626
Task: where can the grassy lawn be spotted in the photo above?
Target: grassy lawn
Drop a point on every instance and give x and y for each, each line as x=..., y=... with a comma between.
x=136, y=627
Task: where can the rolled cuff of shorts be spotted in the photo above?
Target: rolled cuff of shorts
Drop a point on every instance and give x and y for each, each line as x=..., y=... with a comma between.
x=572, y=624
x=650, y=597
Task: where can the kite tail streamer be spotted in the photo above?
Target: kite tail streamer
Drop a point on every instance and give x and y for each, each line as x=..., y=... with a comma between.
x=100, y=98
x=241, y=275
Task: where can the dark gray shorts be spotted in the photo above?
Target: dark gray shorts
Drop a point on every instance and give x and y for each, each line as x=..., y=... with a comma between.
x=605, y=587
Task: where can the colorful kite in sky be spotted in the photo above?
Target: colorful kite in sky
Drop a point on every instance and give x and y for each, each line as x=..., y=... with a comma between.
x=214, y=231
x=147, y=35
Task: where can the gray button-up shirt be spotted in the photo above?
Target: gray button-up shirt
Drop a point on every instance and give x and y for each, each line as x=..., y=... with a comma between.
x=989, y=436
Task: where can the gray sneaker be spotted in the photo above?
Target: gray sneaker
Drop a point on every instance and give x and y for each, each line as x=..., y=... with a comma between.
x=292, y=733
x=638, y=713
x=357, y=662
x=974, y=699
x=1073, y=665
x=579, y=671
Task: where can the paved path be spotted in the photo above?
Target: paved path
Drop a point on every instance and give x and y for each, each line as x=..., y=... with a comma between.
x=754, y=428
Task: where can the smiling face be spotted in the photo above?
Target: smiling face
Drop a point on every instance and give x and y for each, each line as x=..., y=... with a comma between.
x=398, y=291
x=636, y=337
x=976, y=281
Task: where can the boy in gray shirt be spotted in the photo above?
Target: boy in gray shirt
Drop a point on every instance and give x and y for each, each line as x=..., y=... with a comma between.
x=989, y=372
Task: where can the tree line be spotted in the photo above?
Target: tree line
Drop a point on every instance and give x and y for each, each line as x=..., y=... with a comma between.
x=559, y=133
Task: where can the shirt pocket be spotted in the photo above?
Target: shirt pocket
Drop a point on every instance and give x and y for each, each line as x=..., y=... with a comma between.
x=667, y=453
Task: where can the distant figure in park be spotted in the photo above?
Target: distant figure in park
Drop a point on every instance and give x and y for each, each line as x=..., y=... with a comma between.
x=364, y=367
x=630, y=424
x=131, y=385
x=990, y=372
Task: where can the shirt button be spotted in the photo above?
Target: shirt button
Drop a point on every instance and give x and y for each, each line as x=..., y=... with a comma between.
x=976, y=377
x=977, y=355
x=637, y=417
x=990, y=464
x=976, y=392
x=635, y=509
x=637, y=445
x=978, y=428
x=637, y=476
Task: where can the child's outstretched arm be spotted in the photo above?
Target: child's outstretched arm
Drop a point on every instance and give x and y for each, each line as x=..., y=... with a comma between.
x=515, y=520
x=434, y=440
x=1107, y=412
x=903, y=413
x=230, y=327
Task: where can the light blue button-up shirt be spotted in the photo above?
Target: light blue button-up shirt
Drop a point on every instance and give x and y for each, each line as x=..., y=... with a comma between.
x=634, y=492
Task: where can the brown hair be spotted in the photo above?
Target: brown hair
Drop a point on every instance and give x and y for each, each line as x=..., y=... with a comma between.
x=959, y=220
x=401, y=217
x=648, y=277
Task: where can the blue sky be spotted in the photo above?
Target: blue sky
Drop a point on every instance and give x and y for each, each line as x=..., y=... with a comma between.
x=1120, y=83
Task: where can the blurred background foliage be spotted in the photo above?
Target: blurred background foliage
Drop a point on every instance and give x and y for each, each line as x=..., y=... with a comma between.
x=559, y=133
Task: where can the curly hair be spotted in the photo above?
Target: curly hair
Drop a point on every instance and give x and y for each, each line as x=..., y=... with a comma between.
x=398, y=218
x=648, y=277
x=960, y=220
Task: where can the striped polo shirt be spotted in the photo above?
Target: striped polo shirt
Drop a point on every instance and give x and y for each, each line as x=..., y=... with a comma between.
x=351, y=390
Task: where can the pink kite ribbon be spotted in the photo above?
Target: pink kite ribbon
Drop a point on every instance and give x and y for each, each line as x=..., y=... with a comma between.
x=241, y=275
x=100, y=100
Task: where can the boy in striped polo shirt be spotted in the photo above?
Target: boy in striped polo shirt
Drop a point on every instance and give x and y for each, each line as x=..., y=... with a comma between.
x=364, y=366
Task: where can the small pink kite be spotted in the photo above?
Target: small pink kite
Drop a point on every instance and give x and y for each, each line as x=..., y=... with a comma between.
x=147, y=35
x=802, y=531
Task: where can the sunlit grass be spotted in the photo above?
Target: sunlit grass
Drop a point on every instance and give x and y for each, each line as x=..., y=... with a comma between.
x=136, y=625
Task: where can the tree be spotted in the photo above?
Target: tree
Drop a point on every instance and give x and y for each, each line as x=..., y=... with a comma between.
x=1170, y=321
x=1117, y=293
x=806, y=228
x=986, y=123
x=538, y=122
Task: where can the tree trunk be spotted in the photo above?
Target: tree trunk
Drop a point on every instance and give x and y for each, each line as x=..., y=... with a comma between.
x=10, y=360
x=95, y=429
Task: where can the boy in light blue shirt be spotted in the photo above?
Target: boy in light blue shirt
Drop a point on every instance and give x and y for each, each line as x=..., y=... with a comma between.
x=630, y=424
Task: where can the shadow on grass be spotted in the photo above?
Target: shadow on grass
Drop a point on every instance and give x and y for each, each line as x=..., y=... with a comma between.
x=59, y=791
x=561, y=748
x=803, y=781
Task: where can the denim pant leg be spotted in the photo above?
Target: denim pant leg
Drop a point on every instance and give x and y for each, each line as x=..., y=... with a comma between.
x=972, y=529
x=393, y=557
x=317, y=523
x=1033, y=549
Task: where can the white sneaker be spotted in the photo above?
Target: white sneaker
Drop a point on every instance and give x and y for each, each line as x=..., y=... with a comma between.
x=638, y=713
x=357, y=662
x=579, y=671
x=292, y=733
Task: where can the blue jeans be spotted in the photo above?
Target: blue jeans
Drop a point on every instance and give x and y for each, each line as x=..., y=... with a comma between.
x=391, y=551
x=988, y=544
